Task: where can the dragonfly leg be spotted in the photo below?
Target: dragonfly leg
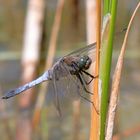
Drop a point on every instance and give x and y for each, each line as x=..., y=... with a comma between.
x=83, y=85
x=87, y=83
x=92, y=77
x=97, y=111
x=79, y=76
x=77, y=69
x=85, y=98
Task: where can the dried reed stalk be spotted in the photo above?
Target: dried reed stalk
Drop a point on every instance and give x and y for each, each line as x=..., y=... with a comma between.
x=92, y=35
x=116, y=82
x=30, y=58
x=49, y=61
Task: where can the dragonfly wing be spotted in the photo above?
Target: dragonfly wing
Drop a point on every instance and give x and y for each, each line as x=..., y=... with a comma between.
x=55, y=94
x=83, y=51
x=65, y=84
x=72, y=84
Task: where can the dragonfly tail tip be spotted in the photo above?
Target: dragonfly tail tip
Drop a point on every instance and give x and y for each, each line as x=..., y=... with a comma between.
x=4, y=97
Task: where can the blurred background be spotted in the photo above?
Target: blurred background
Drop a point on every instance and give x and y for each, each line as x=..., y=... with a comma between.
x=35, y=31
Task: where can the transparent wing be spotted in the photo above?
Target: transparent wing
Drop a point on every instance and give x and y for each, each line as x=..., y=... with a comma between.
x=68, y=87
x=91, y=48
x=64, y=84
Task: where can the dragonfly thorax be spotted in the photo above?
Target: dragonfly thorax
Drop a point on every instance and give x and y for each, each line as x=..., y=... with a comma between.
x=77, y=63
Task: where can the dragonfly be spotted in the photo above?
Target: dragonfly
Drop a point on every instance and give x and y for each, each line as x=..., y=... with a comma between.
x=68, y=75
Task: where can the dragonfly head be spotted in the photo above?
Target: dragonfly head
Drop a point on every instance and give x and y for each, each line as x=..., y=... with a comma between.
x=85, y=62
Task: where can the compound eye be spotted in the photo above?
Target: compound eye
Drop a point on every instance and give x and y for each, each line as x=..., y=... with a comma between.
x=82, y=59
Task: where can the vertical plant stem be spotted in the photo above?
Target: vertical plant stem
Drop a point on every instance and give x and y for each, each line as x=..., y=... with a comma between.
x=105, y=67
x=49, y=61
x=116, y=82
x=106, y=6
x=91, y=21
x=30, y=58
x=94, y=116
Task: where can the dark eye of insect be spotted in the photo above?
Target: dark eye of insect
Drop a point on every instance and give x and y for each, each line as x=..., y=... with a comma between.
x=83, y=61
